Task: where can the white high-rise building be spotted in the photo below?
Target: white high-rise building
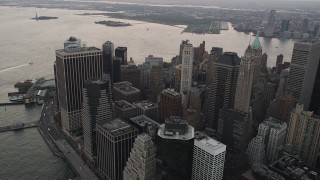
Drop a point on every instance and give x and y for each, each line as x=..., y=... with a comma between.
x=256, y=151
x=186, y=71
x=141, y=164
x=208, y=158
x=271, y=24
x=273, y=132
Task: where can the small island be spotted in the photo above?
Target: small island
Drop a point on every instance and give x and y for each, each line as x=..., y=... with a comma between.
x=113, y=23
x=43, y=17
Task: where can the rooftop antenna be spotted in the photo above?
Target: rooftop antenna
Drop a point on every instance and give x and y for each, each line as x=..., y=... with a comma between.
x=36, y=16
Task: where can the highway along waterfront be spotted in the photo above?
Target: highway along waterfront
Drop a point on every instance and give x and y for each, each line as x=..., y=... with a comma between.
x=55, y=139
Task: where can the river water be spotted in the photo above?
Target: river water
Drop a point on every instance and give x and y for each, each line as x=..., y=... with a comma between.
x=24, y=154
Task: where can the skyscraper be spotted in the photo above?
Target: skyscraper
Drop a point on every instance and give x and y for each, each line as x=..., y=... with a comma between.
x=268, y=94
x=97, y=107
x=279, y=60
x=107, y=55
x=153, y=61
x=199, y=52
x=273, y=132
x=244, y=85
x=177, y=78
x=116, y=70
x=222, y=88
x=217, y=51
x=208, y=158
x=271, y=24
x=169, y=105
x=175, y=143
x=114, y=142
x=186, y=72
x=256, y=151
x=305, y=25
x=155, y=85
x=304, y=75
x=285, y=25
x=74, y=65
x=121, y=52
x=286, y=105
x=304, y=134
x=254, y=52
x=183, y=43
x=152, y=76
x=141, y=164
x=131, y=73
x=235, y=124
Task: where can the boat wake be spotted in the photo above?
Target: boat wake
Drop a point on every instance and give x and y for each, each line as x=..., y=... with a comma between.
x=14, y=67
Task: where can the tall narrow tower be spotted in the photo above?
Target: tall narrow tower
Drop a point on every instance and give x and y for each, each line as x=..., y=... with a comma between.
x=121, y=52
x=271, y=24
x=97, y=107
x=186, y=72
x=107, y=54
x=75, y=65
x=222, y=88
x=244, y=85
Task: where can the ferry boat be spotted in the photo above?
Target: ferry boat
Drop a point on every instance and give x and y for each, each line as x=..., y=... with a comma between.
x=26, y=83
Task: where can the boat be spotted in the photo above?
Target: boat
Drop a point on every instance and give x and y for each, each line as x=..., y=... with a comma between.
x=13, y=98
x=26, y=83
x=30, y=63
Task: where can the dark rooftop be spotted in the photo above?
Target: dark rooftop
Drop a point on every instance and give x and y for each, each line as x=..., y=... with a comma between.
x=121, y=48
x=293, y=168
x=229, y=58
x=117, y=127
x=124, y=105
x=71, y=38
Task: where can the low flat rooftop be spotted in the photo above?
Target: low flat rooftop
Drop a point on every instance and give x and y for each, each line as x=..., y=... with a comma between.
x=186, y=136
x=145, y=104
x=125, y=87
x=208, y=141
x=171, y=92
x=124, y=105
x=121, y=48
x=144, y=120
x=97, y=81
x=144, y=137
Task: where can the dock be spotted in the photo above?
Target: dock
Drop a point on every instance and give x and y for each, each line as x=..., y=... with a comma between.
x=19, y=126
x=11, y=104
